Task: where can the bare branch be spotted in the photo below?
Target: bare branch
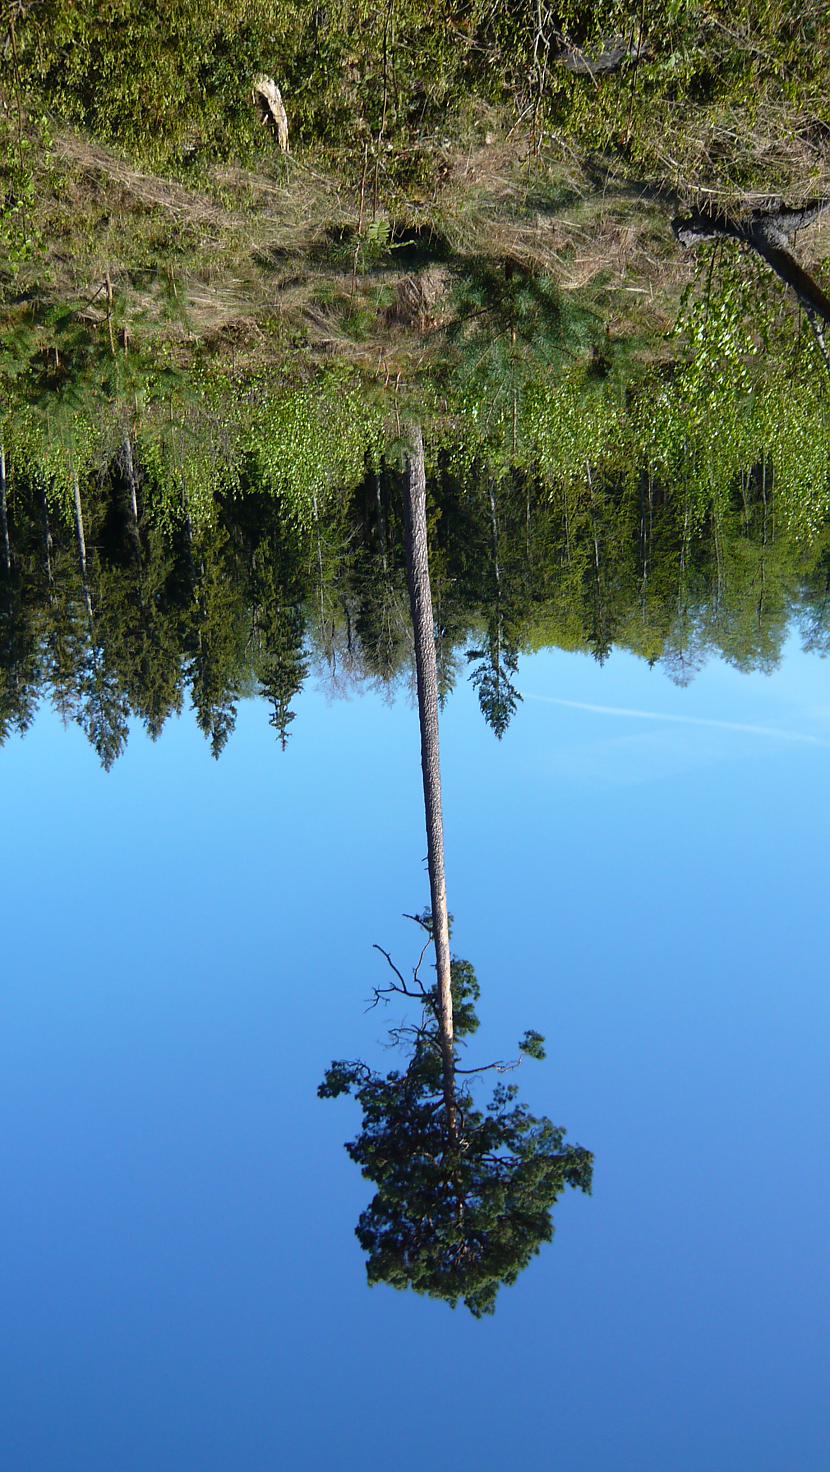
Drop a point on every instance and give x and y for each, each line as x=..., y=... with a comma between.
x=419, y=920
x=500, y=1066
x=393, y=988
x=399, y=988
x=419, y=963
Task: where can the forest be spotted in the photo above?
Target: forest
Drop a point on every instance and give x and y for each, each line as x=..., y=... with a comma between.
x=120, y=619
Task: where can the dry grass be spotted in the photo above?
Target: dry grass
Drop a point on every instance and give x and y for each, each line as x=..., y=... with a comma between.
x=260, y=260
x=789, y=152
x=84, y=157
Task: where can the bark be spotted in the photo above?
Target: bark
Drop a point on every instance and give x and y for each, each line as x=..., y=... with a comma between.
x=47, y=534
x=267, y=95
x=4, y=516
x=330, y=655
x=381, y=510
x=423, y=624
x=494, y=521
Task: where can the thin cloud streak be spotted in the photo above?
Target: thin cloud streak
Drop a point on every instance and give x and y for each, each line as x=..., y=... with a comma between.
x=656, y=715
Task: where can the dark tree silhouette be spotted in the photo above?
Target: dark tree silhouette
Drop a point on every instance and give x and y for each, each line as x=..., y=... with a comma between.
x=495, y=662
x=229, y=609
x=464, y=1196
x=496, y=658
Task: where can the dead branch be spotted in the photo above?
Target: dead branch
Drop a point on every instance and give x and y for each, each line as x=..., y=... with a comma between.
x=401, y=988
x=500, y=1066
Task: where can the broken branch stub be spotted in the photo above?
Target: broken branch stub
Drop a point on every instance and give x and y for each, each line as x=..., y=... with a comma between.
x=267, y=96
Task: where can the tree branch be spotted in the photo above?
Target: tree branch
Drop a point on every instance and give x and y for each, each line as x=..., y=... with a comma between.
x=768, y=233
x=500, y=1066
x=403, y=989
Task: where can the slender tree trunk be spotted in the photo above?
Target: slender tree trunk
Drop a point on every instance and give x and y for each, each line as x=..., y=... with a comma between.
x=4, y=517
x=420, y=597
x=47, y=533
x=79, y=529
x=129, y=470
x=330, y=654
x=188, y=536
x=381, y=521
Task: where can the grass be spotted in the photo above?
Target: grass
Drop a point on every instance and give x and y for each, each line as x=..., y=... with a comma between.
x=302, y=255
x=137, y=149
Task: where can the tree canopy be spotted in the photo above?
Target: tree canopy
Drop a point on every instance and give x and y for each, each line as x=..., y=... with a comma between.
x=458, y=1211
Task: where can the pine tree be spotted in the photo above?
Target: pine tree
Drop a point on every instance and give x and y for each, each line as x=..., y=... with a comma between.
x=464, y=1199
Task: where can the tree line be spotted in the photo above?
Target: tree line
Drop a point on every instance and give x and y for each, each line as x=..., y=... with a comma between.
x=118, y=616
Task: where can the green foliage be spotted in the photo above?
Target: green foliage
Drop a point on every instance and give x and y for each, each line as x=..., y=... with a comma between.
x=533, y=1044
x=305, y=444
x=20, y=234
x=497, y=695
x=282, y=663
x=191, y=444
x=575, y=429
x=748, y=388
x=221, y=631
x=661, y=561
x=168, y=80
x=513, y=332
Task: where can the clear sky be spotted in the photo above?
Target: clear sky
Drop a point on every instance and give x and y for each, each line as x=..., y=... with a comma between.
x=187, y=944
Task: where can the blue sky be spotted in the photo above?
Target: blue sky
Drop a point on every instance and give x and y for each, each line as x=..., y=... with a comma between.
x=188, y=944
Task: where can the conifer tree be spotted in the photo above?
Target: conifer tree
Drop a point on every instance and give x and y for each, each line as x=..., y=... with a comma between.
x=464, y=1197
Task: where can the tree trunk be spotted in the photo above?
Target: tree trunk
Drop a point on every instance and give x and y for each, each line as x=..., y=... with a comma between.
x=494, y=521
x=420, y=597
x=4, y=517
x=129, y=471
x=79, y=529
x=47, y=533
x=381, y=522
x=784, y=264
x=330, y=654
